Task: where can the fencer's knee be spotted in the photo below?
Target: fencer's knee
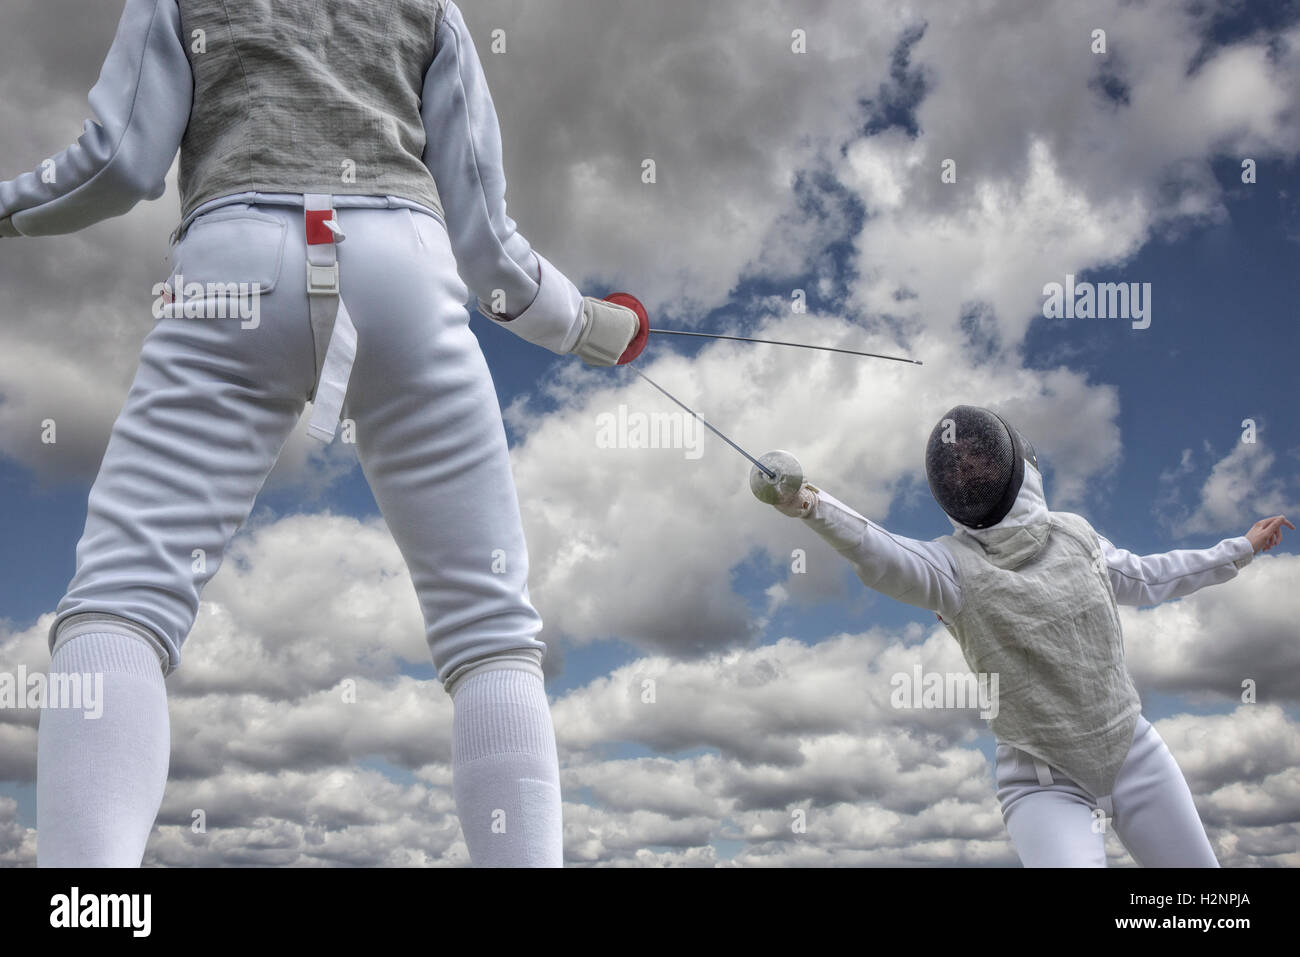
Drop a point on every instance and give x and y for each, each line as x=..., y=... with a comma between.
x=87, y=623
x=527, y=660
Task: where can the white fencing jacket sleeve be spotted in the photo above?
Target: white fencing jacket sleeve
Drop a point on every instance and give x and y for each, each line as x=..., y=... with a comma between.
x=922, y=573
x=464, y=154
x=142, y=101
x=907, y=569
x=1151, y=579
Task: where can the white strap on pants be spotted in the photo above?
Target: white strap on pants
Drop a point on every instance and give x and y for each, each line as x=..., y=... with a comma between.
x=330, y=321
x=1044, y=772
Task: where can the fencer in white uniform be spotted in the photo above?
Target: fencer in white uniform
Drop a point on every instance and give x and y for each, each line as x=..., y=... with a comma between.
x=1030, y=594
x=343, y=159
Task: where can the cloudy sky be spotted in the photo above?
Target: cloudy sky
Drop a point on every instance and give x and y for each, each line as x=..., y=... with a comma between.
x=776, y=171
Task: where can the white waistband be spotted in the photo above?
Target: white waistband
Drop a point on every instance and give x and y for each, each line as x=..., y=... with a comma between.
x=298, y=199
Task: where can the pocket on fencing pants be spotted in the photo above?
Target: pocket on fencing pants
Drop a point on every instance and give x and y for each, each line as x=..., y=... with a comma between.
x=230, y=254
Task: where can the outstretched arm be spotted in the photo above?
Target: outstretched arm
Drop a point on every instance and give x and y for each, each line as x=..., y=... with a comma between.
x=142, y=100
x=1151, y=579
x=463, y=152
x=907, y=569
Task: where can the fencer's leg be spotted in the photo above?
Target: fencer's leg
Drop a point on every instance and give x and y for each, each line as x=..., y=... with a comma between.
x=212, y=403
x=1155, y=816
x=433, y=448
x=101, y=767
x=1052, y=824
x=505, y=774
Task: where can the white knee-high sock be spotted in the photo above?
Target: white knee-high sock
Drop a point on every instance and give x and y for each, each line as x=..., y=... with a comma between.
x=505, y=771
x=100, y=780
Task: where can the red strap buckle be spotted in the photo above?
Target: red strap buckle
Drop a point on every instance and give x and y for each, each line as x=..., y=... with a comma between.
x=317, y=232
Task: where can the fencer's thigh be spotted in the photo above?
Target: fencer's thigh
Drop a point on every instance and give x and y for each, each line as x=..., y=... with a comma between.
x=1155, y=816
x=1050, y=825
x=211, y=405
x=430, y=438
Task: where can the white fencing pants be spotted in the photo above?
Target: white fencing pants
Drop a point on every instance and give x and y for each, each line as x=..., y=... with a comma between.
x=1055, y=824
x=214, y=400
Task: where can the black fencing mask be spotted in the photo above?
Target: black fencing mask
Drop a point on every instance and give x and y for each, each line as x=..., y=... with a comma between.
x=975, y=462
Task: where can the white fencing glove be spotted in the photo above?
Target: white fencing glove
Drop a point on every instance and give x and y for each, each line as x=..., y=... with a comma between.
x=803, y=503
x=607, y=331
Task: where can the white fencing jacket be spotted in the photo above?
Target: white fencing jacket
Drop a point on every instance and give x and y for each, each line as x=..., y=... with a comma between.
x=143, y=101
x=921, y=573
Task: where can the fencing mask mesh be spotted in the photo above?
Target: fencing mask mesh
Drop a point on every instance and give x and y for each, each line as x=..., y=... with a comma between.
x=975, y=462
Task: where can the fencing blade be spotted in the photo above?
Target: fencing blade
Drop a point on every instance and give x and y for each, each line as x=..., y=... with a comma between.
x=778, y=342
x=757, y=464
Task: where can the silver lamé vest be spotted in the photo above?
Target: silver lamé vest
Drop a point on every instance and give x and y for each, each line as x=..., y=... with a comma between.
x=307, y=96
x=1050, y=629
